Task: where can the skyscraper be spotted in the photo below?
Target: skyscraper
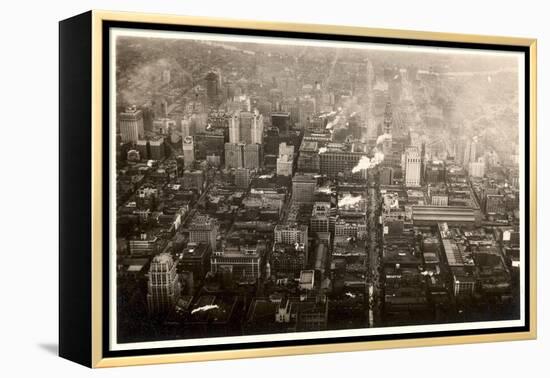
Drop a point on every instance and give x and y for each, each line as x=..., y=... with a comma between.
x=253, y=156
x=292, y=235
x=285, y=160
x=470, y=152
x=242, y=178
x=272, y=141
x=388, y=118
x=156, y=148
x=142, y=146
x=234, y=129
x=234, y=155
x=368, y=118
x=212, y=88
x=203, y=229
x=476, y=168
x=284, y=165
x=163, y=289
x=412, y=167
x=188, y=146
x=257, y=131
x=185, y=127
x=281, y=121
x=303, y=188
x=131, y=125
x=246, y=119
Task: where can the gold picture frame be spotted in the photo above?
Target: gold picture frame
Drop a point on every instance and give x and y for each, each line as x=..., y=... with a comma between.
x=91, y=328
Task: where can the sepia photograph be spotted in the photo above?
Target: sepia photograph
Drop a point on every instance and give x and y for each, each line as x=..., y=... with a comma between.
x=278, y=189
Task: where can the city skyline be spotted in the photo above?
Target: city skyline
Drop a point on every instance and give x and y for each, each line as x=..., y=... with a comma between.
x=283, y=189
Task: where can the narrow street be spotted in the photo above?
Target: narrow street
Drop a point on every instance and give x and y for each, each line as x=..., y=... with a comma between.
x=373, y=250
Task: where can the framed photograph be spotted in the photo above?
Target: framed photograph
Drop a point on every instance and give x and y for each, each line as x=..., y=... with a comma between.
x=234, y=189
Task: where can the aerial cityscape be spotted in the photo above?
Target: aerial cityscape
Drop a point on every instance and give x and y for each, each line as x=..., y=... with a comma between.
x=268, y=188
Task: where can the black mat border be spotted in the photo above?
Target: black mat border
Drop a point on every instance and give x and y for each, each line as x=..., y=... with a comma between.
x=106, y=25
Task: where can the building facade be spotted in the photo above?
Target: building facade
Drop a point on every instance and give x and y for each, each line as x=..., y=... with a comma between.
x=188, y=145
x=303, y=188
x=203, y=229
x=131, y=125
x=163, y=289
x=412, y=167
x=234, y=155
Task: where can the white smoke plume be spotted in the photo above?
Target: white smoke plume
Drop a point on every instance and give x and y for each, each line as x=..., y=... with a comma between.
x=204, y=308
x=322, y=150
x=382, y=138
x=330, y=114
x=349, y=200
x=368, y=163
x=334, y=122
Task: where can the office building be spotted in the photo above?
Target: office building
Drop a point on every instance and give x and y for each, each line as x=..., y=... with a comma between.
x=494, y=204
x=203, y=229
x=338, y=160
x=188, y=146
x=308, y=158
x=439, y=200
x=281, y=121
x=272, y=141
x=284, y=165
x=285, y=161
x=434, y=172
x=234, y=155
x=241, y=262
x=163, y=289
x=142, y=147
x=307, y=280
x=303, y=188
x=212, y=88
x=476, y=169
x=290, y=251
x=412, y=167
x=470, y=152
x=193, y=180
x=242, y=178
x=291, y=234
x=320, y=217
x=144, y=245
x=257, y=130
x=208, y=144
x=195, y=258
x=156, y=149
x=131, y=125
x=246, y=120
x=253, y=156
x=234, y=129
x=386, y=176
x=185, y=127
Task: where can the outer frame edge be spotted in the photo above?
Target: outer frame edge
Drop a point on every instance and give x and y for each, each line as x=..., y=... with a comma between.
x=312, y=28
x=98, y=16
x=97, y=197
x=533, y=186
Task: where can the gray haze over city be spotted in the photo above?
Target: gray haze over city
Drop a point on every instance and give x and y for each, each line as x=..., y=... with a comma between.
x=267, y=188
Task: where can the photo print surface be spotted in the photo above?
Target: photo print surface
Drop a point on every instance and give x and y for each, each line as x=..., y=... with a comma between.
x=284, y=189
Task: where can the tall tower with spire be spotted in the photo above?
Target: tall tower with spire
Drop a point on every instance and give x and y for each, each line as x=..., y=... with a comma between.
x=388, y=118
x=369, y=107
